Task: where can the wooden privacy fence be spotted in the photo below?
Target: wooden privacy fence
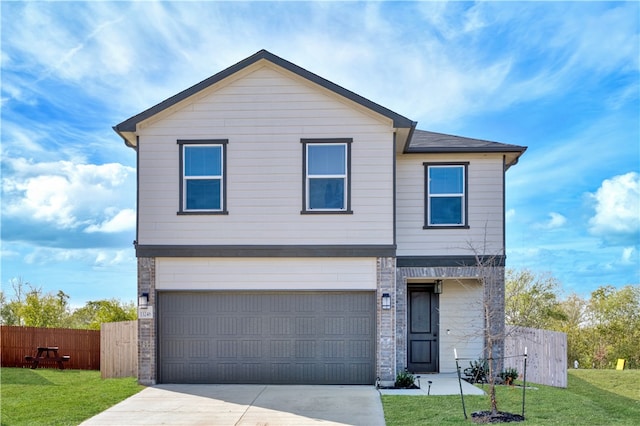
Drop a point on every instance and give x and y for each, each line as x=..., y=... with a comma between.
x=119, y=349
x=546, y=355
x=83, y=346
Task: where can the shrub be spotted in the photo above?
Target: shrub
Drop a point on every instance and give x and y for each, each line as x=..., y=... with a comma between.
x=477, y=371
x=404, y=379
x=509, y=375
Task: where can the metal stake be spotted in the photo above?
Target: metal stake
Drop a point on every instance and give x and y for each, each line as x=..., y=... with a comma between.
x=524, y=381
x=464, y=410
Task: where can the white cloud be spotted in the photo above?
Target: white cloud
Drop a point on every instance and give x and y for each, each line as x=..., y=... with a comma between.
x=511, y=213
x=108, y=52
x=22, y=137
x=556, y=220
x=5, y=254
x=629, y=255
x=68, y=195
x=610, y=43
x=617, y=209
x=98, y=258
x=124, y=220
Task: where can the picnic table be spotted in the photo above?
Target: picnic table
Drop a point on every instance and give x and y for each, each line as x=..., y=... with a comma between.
x=47, y=353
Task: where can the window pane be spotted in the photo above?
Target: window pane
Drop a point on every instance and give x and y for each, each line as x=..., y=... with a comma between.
x=446, y=180
x=446, y=210
x=326, y=194
x=203, y=161
x=326, y=159
x=203, y=194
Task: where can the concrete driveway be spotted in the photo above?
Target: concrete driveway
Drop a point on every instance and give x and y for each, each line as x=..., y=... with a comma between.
x=222, y=405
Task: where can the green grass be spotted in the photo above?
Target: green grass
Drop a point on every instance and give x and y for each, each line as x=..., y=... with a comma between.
x=593, y=397
x=58, y=397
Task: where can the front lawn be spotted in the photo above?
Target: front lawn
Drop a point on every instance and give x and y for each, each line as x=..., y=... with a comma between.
x=593, y=397
x=58, y=397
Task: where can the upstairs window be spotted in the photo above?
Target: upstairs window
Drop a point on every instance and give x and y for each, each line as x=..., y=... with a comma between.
x=446, y=195
x=326, y=168
x=202, y=176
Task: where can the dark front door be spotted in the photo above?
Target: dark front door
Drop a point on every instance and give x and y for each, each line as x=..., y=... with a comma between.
x=422, y=336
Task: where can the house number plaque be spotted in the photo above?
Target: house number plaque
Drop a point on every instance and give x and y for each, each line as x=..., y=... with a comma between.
x=145, y=313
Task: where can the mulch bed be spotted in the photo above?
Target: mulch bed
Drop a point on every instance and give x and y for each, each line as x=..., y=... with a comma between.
x=396, y=387
x=500, y=417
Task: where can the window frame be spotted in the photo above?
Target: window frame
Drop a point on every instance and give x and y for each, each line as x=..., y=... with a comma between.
x=464, y=215
x=306, y=143
x=183, y=144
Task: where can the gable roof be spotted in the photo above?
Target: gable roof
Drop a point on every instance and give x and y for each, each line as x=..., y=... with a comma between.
x=410, y=141
x=424, y=142
x=129, y=125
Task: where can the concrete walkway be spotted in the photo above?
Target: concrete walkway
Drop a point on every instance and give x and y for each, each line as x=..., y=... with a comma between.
x=226, y=405
x=441, y=384
x=222, y=405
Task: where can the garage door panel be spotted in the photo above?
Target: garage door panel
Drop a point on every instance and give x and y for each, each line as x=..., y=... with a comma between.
x=226, y=326
x=251, y=326
x=276, y=337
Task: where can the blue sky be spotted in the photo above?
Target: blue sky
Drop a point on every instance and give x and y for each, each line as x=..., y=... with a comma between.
x=560, y=78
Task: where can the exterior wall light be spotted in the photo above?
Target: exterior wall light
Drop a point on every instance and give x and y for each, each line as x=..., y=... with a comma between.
x=143, y=300
x=386, y=301
x=437, y=289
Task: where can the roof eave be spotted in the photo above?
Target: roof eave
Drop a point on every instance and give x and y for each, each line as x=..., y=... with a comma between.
x=129, y=137
x=457, y=150
x=512, y=153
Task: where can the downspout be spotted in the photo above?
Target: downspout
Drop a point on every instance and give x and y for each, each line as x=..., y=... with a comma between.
x=135, y=243
x=504, y=208
x=409, y=137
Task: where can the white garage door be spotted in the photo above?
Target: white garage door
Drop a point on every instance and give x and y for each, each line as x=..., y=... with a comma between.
x=266, y=337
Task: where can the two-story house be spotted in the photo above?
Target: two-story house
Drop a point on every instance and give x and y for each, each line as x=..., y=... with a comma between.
x=292, y=231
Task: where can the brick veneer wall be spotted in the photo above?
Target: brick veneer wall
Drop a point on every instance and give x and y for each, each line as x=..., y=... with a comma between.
x=147, y=327
x=386, y=351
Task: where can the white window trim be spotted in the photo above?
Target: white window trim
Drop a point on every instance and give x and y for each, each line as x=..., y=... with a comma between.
x=342, y=176
x=184, y=144
x=346, y=176
x=463, y=196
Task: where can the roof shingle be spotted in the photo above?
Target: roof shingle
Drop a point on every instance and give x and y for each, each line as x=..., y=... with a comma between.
x=423, y=141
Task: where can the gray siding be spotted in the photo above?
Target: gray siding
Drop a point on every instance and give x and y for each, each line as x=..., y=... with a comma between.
x=485, y=234
x=264, y=112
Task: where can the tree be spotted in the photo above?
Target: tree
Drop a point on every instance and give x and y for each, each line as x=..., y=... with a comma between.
x=614, y=315
x=45, y=310
x=491, y=275
x=97, y=312
x=531, y=300
x=10, y=309
x=574, y=326
x=30, y=307
x=494, y=327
